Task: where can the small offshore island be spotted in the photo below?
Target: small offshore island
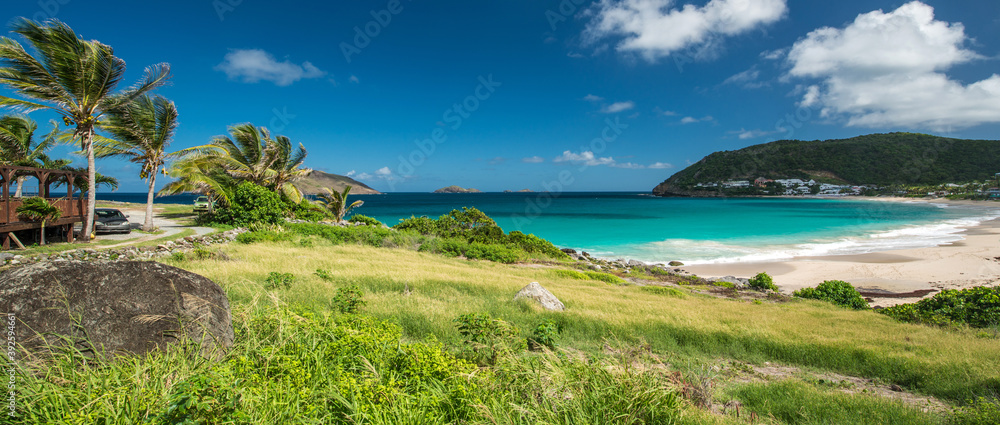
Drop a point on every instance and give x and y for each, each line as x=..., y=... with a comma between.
x=457, y=189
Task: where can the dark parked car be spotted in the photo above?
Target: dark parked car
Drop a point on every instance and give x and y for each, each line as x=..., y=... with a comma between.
x=110, y=220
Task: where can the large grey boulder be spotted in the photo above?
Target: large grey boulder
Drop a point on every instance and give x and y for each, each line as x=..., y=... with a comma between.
x=114, y=306
x=536, y=292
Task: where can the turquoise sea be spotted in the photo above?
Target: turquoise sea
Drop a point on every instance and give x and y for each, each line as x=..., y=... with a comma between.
x=652, y=229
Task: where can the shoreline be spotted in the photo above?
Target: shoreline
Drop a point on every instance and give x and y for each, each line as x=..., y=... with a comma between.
x=899, y=275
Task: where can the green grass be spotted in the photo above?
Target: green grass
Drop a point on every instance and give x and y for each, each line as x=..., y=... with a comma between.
x=792, y=402
x=620, y=348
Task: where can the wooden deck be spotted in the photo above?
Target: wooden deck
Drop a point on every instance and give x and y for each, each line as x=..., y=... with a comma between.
x=74, y=210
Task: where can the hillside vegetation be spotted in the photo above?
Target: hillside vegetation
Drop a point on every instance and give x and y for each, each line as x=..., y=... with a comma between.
x=880, y=159
x=317, y=180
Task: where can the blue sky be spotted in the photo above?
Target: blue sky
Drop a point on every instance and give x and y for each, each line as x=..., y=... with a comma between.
x=570, y=95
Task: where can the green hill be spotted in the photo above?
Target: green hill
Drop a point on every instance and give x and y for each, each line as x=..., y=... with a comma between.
x=883, y=159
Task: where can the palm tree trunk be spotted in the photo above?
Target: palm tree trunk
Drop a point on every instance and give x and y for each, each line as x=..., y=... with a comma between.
x=148, y=225
x=88, y=226
x=20, y=185
x=43, y=232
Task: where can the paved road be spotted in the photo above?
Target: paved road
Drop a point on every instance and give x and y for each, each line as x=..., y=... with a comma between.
x=137, y=217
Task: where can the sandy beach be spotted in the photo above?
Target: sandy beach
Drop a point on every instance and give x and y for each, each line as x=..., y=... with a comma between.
x=899, y=276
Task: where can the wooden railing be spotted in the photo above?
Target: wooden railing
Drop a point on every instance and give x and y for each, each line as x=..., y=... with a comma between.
x=73, y=209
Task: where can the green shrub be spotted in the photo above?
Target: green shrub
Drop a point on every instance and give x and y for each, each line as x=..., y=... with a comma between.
x=178, y=256
x=251, y=204
x=534, y=244
x=277, y=280
x=762, y=282
x=571, y=274
x=605, y=277
x=323, y=274
x=358, y=218
x=262, y=236
x=723, y=284
x=422, y=225
x=835, y=291
x=488, y=338
x=349, y=300
x=663, y=290
x=545, y=334
x=982, y=411
x=978, y=307
x=306, y=210
x=201, y=399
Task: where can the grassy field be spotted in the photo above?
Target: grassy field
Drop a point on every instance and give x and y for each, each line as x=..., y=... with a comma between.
x=681, y=348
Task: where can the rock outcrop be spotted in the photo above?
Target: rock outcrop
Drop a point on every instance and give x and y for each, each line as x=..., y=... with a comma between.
x=545, y=298
x=114, y=306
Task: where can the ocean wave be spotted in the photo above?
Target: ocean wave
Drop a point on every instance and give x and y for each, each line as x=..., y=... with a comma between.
x=711, y=252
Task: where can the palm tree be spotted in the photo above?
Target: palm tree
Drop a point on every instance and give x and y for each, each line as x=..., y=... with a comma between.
x=39, y=209
x=18, y=145
x=336, y=202
x=200, y=174
x=247, y=154
x=73, y=77
x=287, y=167
x=140, y=131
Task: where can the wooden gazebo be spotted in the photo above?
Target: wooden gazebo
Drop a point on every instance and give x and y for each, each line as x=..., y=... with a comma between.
x=74, y=210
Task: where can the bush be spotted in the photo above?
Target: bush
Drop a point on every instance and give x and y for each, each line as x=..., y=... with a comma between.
x=977, y=307
x=262, y=236
x=544, y=335
x=306, y=210
x=605, y=277
x=349, y=300
x=358, y=218
x=534, y=244
x=488, y=338
x=276, y=280
x=571, y=274
x=663, y=290
x=250, y=204
x=982, y=411
x=323, y=274
x=762, y=282
x=835, y=291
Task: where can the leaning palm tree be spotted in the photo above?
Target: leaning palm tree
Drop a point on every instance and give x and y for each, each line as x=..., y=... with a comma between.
x=245, y=154
x=336, y=202
x=73, y=77
x=19, y=147
x=140, y=131
x=39, y=209
x=200, y=174
x=287, y=167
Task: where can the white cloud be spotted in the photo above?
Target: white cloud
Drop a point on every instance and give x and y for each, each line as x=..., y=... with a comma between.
x=354, y=79
x=629, y=165
x=655, y=28
x=669, y=113
x=533, y=160
x=253, y=65
x=574, y=55
x=773, y=54
x=661, y=165
x=689, y=120
x=586, y=158
x=384, y=171
x=748, y=79
x=744, y=134
x=887, y=70
x=593, y=98
x=618, y=107
x=350, y=173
